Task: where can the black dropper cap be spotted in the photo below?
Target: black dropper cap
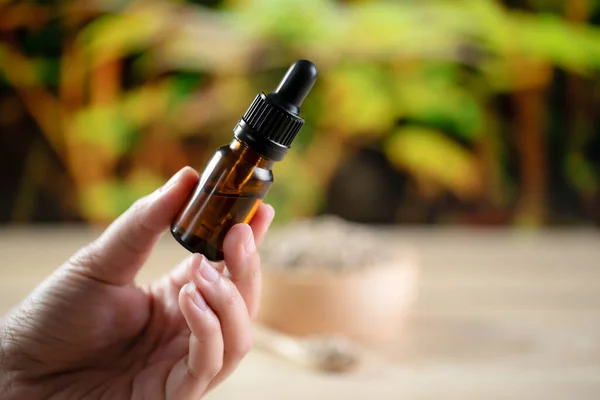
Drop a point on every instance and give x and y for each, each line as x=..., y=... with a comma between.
x=273, y=121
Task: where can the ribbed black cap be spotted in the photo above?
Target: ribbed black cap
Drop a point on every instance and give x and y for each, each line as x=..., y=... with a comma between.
x=272, y=121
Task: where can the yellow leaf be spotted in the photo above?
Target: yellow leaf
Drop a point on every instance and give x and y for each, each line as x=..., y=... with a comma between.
x=100, y=202
x=109, y=36
x=431, y=155
x=359, y=99
x=296, y=192
x=105, y=126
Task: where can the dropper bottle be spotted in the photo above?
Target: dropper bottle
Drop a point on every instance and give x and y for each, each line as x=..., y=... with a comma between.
x=239, y=175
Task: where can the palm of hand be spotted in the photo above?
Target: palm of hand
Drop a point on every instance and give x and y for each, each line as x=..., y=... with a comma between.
x=88, y=334
x=106, y=339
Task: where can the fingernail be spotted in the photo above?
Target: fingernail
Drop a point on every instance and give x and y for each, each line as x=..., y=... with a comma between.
x=208, y=272
x=192, y=291
x=249, y=245
x=272, y=213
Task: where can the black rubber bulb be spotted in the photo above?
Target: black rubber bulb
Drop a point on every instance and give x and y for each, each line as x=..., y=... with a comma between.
x=294, y=86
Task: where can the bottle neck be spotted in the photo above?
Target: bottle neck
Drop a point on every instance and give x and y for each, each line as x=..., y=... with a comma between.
x=252, y=156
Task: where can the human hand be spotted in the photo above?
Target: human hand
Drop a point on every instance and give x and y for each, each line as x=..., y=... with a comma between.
x=89, y=332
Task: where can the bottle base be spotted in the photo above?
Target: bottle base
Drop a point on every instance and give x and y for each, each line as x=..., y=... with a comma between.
x=196, y=244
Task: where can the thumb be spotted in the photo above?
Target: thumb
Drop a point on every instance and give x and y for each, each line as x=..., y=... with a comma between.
x=121, y=250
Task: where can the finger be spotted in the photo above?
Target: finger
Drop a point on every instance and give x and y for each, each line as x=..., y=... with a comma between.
x=180, y=275
x=261, y=221
x=168, y=287
x=116, y=256
x=219, y=265
x=260, y=224
x=191, y=376
x=243, y=263
x=224, y=299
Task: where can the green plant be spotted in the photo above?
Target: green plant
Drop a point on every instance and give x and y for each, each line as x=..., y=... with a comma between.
x=155, y=85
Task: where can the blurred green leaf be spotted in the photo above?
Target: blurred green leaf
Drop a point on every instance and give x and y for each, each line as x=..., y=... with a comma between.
x=17, y=70
x=429, y=94
x=148, y=103
x=557, y=6
x=432, y=155
x=417, y=30
x=290, y=21
x=296, y=192
x=106, y=127
x=378, y=60
x=48, y=70
x=114, y=126
x=493, y=25
x=102, y=201
x=581, y=174
x=548, y=37
x=118, y=34
x=142, y=182
x=183, y=85
x=359, y=99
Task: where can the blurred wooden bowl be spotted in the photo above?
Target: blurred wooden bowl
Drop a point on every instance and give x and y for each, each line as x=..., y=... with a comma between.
x=368, y=305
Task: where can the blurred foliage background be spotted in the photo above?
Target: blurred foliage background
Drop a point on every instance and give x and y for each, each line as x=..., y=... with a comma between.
x=474, y=112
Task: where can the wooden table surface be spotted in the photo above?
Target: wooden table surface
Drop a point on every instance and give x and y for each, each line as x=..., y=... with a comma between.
x=499, y=315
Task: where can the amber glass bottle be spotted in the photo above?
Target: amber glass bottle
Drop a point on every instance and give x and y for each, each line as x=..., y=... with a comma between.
x=239, y=175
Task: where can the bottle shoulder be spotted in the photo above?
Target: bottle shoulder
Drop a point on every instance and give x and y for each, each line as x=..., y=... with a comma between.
x=232, y=168
x=241, y=157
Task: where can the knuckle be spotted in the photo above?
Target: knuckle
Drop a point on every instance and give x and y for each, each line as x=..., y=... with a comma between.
x=214, y=367
x=86, y=256
x=232, y=295
x=215, y=330
x=208, y=371
x=241, y=345
x=138, y=211
x=139, y=204
x=209, y=332
x=236, y=353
